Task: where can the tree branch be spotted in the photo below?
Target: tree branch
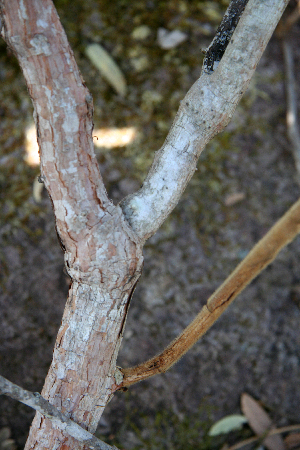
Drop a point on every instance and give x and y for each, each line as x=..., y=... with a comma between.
x=204, y=112
x=59, y=420
x=262, y=254
x=87, y=221
x=291, y=100
x=63, y=109
x=103, y=255
x=216, y=50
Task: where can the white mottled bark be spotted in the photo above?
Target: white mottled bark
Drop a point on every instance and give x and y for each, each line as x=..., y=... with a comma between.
x=204, y=112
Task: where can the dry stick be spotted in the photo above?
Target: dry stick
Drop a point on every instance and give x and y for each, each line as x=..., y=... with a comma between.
x=284, y=26
x=270, y=433
x=60, y=420
x=264, y=252
x=291, y=98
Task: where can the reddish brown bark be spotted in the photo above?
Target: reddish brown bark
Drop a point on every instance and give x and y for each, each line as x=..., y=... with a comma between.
x=103, y=256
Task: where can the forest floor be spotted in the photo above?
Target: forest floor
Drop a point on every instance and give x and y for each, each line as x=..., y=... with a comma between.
x=246, y=179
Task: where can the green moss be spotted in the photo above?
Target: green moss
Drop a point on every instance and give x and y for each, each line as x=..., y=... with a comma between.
x=169, y=431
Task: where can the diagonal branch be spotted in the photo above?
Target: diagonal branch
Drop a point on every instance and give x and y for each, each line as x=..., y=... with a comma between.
x=204, y=112
x=86, y=220
x=262, y=254
x=63, y=109
x=59, y=420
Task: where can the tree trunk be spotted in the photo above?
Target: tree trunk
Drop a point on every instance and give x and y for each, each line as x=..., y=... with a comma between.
x=102, y=242
x=102, y=254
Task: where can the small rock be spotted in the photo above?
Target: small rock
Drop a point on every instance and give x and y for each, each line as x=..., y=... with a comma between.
x=140, y=33
x=170, y=39
x=139, y=64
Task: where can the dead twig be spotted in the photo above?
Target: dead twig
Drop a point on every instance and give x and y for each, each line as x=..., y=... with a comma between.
x=59, y=420
x=258, y=438
x=262, y=254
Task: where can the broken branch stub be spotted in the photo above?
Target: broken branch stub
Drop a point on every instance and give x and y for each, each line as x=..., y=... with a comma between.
x=262, y=254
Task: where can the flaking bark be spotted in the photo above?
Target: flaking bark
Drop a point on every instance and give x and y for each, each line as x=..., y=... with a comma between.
x=103, y=256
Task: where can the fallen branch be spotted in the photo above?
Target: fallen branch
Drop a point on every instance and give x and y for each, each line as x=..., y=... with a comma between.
x=59, y=420
x=262, y=254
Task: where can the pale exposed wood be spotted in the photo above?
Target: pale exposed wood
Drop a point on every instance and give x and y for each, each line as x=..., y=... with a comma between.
x=262, y=254
x=204, y=112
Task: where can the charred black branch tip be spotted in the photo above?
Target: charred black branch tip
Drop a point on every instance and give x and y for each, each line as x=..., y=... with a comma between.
x=224, y=33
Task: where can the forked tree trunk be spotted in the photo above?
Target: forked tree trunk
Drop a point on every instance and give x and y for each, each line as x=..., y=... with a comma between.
x=103, y=243
x=103, y=256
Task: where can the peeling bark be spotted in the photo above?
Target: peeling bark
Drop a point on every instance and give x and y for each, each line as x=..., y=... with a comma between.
x=102, y=254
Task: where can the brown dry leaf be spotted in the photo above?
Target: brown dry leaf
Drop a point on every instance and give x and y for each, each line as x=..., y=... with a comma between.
x=234, y=198
x=292, y=441
x=260, y=422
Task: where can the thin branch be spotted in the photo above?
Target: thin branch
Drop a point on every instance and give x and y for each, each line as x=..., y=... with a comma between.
x=258, y=438
x=262, y=254
x=59, y=420
x=291, y=97
x=284, y=26
x=205, y=111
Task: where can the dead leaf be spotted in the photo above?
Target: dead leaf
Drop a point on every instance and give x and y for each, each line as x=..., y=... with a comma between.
x=234, y=198
x=260, y=422
x=107, y=67
x=292, y=441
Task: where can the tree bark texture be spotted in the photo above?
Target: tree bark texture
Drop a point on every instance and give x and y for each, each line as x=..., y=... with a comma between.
x=102, y=254
x=204, y=112
x=103, y=242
